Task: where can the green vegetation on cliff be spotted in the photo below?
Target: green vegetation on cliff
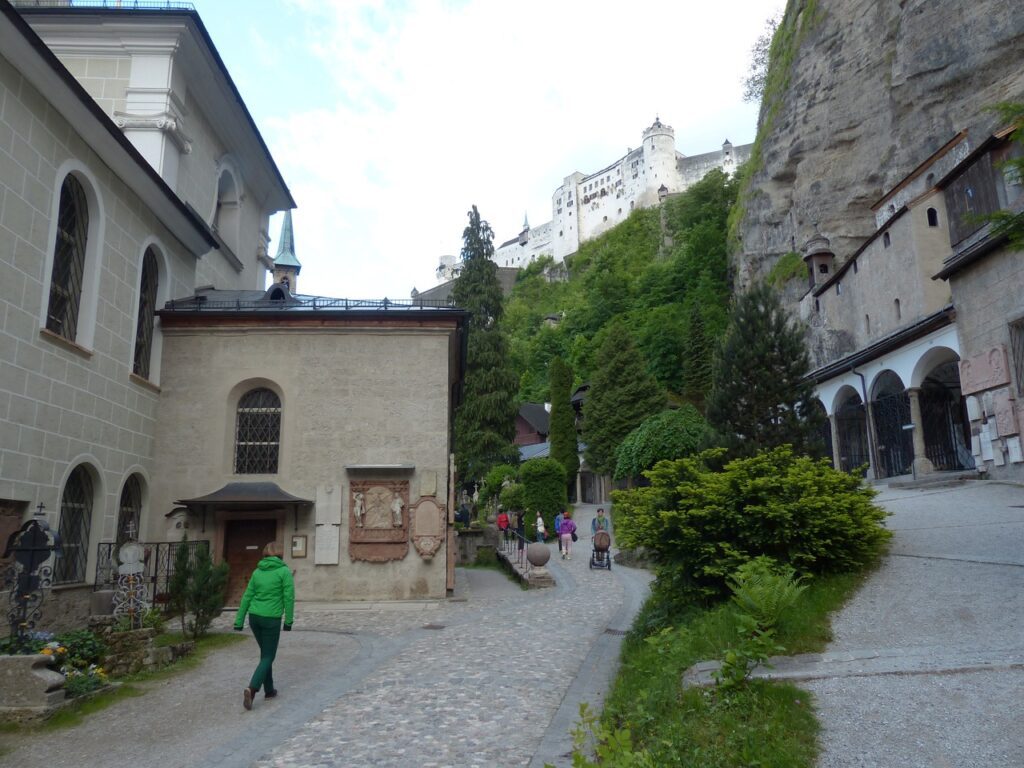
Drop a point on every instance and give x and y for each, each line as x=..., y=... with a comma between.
x=662, y=272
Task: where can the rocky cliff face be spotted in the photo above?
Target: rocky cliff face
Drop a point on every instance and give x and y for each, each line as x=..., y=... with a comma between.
x=875, y=87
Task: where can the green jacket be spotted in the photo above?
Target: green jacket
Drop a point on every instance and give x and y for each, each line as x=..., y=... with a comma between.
x=270, y=593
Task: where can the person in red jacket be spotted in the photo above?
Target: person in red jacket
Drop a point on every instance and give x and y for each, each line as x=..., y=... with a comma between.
x=503, y=523
x=271, y=593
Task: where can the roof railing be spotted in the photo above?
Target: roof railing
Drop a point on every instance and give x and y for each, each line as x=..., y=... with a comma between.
x=114, y=5
x=302, y=303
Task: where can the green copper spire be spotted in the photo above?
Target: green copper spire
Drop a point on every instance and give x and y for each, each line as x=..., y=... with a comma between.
x=286, y=248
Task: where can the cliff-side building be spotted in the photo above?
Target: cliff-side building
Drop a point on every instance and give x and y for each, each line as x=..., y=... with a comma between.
x=586, y=205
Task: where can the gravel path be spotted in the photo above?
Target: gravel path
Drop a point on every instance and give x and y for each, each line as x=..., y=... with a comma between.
x=953, y=586
x=483, y=680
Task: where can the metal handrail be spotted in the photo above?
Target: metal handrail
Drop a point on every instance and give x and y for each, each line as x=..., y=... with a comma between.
x=514, y=545
x=305, y=302
x=117, y=5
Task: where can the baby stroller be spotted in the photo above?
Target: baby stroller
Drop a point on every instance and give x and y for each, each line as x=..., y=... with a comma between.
x=601, y=556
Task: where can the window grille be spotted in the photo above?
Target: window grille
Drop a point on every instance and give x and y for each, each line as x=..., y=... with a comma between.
x=75, y=522
x=130, y=510
x=1017, y=352
x=68, y=260
x=147, y=310
x=257, y=433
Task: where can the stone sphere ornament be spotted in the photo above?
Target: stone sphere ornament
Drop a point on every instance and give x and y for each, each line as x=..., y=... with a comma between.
x=538, y=554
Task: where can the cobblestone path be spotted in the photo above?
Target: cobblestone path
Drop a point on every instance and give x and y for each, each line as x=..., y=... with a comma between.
x=492, y=678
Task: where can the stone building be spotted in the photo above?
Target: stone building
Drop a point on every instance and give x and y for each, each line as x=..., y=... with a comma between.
x=890, y=343
x=132, y=175
x=586, y=205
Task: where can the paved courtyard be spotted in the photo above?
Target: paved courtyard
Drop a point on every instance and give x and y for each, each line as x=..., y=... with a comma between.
x=493, y=677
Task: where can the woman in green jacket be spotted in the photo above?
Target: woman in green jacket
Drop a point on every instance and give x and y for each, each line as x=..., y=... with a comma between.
x=271, y=592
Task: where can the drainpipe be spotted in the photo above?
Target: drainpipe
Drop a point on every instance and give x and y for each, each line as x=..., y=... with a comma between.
x=869, y=423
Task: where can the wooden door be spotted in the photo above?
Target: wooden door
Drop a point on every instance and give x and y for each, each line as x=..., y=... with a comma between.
x=243, y=548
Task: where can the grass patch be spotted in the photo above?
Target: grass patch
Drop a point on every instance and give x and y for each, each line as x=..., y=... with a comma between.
x=763, y=724
x=204, y=646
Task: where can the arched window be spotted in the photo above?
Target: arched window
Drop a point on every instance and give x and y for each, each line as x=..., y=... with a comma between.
x=896, y=307
x=129, y=510
x=68, y=260
x=226, y=214
x=147, y=309
x=257, y=433
x=933, y=217
x=75, y=522
x=886, y=240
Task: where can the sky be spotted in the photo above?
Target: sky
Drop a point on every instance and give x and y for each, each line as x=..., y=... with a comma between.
x=389, y=120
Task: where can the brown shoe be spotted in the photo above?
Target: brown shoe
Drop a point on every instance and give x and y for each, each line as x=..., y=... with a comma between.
x=269, y=694
x=247, y=695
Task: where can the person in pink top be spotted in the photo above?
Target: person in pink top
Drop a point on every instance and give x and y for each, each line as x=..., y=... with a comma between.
x=566, y=532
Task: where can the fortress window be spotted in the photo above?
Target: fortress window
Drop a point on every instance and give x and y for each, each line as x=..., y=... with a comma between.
x=839, y=289
x=817, y=306
x=867, y=323
x=823, y=269
x=855, y=266
x=933, y=217
x=896, y=306
x=606, y=218
x=886, y=240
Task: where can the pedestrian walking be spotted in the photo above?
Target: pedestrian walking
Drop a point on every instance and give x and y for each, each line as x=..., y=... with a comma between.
x=520, y=528
x=567, y=533
x=558, y=527
x=503, y=523
x=270, y=594
x=542, y=532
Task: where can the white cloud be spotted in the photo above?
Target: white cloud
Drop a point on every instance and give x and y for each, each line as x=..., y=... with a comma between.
x=436, y=106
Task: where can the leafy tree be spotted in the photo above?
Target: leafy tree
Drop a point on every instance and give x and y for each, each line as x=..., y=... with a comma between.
x=663, y=436
x=543, y=482
x=485, y=420
x=494, y=481
x=759, y=397
x=757, y=76
x=698, y=357
x=562, y=434
x=622, y=394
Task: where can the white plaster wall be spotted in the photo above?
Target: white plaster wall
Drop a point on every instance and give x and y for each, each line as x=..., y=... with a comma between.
x=349, y=396
x=60, y=403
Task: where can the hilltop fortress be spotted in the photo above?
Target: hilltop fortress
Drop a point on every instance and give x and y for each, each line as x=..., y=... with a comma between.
x=587, y=205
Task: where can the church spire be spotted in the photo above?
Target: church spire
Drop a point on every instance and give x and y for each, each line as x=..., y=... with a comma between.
x=526, y=222
x=286, y=265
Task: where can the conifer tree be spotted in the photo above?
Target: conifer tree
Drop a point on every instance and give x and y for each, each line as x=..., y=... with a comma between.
x=622, y=394
x=485, y=420
x=759, y=397
x=562, y=434
x=698, y=358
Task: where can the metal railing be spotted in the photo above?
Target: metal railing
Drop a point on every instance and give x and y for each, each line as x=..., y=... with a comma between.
x=513, y=545
x=117, y=5
x=304, y=303
x=158, y=566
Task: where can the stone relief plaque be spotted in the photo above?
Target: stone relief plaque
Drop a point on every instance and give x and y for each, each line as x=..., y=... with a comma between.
x=428, y=526
x=984, y=371
x=378, y=520
x=1013, y=448
x=1006, y=413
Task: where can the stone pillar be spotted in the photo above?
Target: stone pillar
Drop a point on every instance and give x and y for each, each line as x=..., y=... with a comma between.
x=922, y=465
x=833, y=425
x=579, y=487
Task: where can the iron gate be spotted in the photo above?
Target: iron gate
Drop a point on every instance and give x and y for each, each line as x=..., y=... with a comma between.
x=895, y=444
x=158, y=566
x=945, y=443
x=851, y=426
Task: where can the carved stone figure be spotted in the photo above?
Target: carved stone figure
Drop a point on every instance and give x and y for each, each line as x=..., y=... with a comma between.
x=396, y=510
x=359, y=510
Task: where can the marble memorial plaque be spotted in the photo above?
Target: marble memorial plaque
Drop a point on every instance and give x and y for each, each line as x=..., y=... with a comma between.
x=984, y=371
x=1013, y=446
x=973, y=408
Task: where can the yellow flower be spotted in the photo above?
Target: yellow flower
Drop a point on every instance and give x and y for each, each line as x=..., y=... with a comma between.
x=47, y=651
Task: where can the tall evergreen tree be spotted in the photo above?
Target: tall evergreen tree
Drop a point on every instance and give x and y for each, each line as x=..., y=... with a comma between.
x=485, y=420
x=563, y=420
x=622, y=394
x=759, y=397
x=698, y=358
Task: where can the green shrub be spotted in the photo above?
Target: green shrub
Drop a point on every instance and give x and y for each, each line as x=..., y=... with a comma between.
x=83, y=648
x=701, y=525
x=544, y=489
x=513, y=497
x=663, y=436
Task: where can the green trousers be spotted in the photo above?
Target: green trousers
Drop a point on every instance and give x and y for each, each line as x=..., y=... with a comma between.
x=267, y=632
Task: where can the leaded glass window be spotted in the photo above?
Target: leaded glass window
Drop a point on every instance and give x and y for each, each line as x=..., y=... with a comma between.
x=1017, y=352
x=257, y=433
x=129, y=510
x=68, y=260
x=75, y=522
x=147, y=310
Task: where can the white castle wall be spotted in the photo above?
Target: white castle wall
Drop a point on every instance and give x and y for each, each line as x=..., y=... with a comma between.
x=587, y=205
